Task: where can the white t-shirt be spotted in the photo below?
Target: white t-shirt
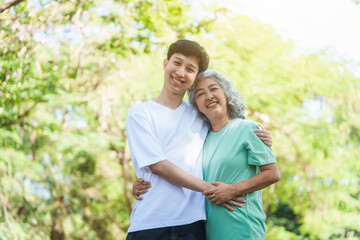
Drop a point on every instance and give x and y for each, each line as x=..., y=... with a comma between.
x=157, y=133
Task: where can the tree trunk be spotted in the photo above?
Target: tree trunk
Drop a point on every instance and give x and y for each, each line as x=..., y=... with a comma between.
x=57, y=232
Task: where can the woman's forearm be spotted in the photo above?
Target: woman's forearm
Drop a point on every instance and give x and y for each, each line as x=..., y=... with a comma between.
x=269, y=174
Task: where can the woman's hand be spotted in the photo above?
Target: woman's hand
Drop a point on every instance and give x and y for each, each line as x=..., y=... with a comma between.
x=223, y=193
x=140, y=187
x=263, y=134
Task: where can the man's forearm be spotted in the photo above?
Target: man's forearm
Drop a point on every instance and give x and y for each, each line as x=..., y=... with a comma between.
x=177, y=176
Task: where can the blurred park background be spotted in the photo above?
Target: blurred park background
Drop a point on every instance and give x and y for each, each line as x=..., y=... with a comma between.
x=70, y=70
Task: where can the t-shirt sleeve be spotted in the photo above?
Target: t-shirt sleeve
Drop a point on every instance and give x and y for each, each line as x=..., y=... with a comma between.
x=259, y=152
x=144, y=146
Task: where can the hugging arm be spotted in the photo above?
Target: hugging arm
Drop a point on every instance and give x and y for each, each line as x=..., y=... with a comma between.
x=140, y=187
x=269, y=174
x=175, y=175
x=263, y=134
x=146, y=149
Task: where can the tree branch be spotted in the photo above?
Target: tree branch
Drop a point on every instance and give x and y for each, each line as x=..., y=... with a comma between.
x=27, y=112
x=9, y=5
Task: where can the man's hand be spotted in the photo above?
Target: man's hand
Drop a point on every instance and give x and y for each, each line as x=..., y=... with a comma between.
x=263, y=134
x=140, y=187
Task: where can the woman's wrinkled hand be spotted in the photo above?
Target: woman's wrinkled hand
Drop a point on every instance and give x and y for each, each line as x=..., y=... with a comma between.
x=223, y=193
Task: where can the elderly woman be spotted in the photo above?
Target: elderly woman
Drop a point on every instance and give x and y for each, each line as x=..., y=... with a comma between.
x=235, y=160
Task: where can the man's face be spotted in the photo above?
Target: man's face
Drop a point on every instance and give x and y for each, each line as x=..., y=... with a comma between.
x=180, y=73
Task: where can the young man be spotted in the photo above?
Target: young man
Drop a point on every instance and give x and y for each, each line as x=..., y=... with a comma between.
x=165, y=140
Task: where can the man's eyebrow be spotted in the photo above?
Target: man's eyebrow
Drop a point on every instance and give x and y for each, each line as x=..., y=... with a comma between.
x=179, y=58
x=192, y=65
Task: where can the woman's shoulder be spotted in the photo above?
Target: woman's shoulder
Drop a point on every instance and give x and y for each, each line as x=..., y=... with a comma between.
x=249, y=124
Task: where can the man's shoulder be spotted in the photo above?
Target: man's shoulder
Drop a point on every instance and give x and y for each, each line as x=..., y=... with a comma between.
x=141, y=107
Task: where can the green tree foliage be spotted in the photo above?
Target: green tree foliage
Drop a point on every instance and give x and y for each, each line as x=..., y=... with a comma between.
x=70, y=70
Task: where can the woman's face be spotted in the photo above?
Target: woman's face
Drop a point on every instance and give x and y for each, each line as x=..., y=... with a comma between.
x=210, y=98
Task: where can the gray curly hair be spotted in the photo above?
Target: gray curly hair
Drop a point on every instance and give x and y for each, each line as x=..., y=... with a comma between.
x=235, y=104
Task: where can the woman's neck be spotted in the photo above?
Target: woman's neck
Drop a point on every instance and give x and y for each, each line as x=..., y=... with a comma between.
x=219, y=123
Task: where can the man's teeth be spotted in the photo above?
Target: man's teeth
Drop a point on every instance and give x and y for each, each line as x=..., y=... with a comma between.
x=178, y=81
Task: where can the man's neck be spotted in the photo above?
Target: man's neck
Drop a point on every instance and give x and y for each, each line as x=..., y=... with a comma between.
x=169, y=100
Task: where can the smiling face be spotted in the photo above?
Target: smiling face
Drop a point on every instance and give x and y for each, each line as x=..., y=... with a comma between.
x=210, y=99
x=180, y=72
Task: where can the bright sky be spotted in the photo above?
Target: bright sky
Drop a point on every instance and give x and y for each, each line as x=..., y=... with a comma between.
x=313, y=24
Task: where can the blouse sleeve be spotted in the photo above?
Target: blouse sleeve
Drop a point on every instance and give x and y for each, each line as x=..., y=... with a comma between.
x=259, y=152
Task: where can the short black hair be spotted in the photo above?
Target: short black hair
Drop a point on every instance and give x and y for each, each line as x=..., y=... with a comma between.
x=190, y=48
